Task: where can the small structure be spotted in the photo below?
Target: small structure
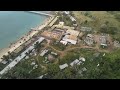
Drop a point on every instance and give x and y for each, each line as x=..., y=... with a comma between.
x=63, y=66
x=75, y=62
x=44, y=52
x=54, y=53
x=40, y=77
x=72, y=18
x=98, y=65
x=61, y=23
x=85, y=29
x=82, y=59
x=64, y=42
x=33, y=63
x=67, y=12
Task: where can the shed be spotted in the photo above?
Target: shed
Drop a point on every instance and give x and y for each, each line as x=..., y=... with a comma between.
x=63, y=66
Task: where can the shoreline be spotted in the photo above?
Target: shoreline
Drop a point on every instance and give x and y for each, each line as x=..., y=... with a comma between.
x=20, y=41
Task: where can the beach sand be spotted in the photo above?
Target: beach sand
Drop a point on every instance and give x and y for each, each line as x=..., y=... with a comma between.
x=25, y=38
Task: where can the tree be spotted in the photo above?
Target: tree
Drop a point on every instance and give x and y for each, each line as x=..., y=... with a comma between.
x=37, y=46
x=6, y=57
x=52, y=69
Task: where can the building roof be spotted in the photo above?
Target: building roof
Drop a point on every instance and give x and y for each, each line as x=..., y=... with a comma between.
x=86, y=29
x=82, y=58
x=43, y=52
x=90, y=35
x=54, y=53
x=72, y=18
x=63, y=42
x=66, y=12
x=61, y=23
x=63, y=66
x=77, y=62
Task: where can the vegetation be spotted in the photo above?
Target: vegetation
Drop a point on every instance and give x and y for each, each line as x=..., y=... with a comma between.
x=58, y=46
x=97, y=65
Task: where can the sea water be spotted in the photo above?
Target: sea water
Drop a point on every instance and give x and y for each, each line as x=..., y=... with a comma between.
x=15, y=24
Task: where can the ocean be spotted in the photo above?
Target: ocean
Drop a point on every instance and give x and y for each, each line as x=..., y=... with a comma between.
x=15, y=24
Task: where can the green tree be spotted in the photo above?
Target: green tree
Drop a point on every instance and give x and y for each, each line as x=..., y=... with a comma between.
x=52, y=69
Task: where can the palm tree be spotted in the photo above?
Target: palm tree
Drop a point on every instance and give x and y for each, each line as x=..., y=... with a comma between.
x=37, y=46
x=5, y=58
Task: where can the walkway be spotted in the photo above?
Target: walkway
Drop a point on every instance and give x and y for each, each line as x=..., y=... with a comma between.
x=40, y=13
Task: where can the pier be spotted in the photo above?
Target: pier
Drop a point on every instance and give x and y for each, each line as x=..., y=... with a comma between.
x=40, y=13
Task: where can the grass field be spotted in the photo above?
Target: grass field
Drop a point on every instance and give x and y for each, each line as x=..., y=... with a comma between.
x=96, y=18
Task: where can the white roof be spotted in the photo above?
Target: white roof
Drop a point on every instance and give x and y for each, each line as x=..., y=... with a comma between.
x=75, y=62
x=54, y=53
x=39, y=40
x=33, y=63
x=63, y=66
x=43, y=52
x=66, y=12
x=40, y=77
x=64, y=42
x=61, y=23
x=82, y=59
x=69, y=40
x=72, y=18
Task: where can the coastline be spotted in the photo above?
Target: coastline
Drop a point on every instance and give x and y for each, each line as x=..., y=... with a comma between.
x=14, y=45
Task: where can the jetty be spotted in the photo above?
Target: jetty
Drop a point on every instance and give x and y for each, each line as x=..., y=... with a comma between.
x=40, y=13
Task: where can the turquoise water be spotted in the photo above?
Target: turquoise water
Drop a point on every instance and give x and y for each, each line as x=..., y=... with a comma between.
x=15, y=24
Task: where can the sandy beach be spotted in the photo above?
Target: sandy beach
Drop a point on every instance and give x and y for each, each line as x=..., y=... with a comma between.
x=25, y=38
